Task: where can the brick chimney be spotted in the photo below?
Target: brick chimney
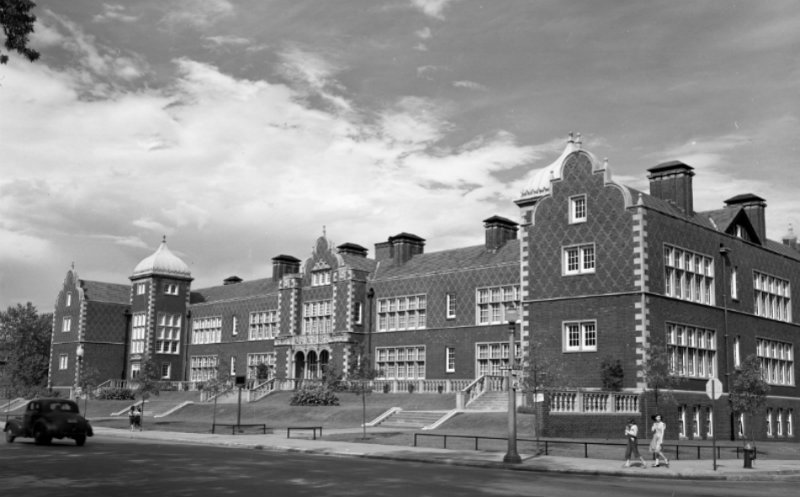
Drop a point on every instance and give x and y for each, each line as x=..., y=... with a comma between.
x=672, y=181
x=284, y=264
x=383, y=251
x=352, y=248
x=499, y=230
x=231, y=280
x=405, y=246
x=755, y=207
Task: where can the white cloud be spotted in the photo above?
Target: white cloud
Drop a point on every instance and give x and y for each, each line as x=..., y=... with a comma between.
x=471, y=85
x=114, y=12
x=432, y=8
x=198, y=14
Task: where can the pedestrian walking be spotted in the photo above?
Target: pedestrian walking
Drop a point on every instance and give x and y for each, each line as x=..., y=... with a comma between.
x=135, y=418
x=632, y=450
x=658, y=429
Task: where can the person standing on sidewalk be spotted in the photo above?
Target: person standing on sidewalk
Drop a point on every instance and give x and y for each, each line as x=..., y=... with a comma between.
x=632, y=450
x=659, y=427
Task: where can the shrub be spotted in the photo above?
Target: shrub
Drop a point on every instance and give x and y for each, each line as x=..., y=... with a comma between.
x=314, y=396
x=115, y=394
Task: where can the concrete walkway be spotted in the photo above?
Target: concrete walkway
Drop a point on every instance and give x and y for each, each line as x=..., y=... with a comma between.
x=727, y=469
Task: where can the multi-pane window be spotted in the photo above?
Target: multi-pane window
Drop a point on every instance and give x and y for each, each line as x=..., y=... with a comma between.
x=320, y=278
x=493, y=302
x=450, y=359
x=577, y=209
x=779, y=422
x=136, y=368
x=491, y=358
x=254, y=360
x=234, y=325
x=402, y=313
x=709, y=422
x=790, y=423
x=770, y=432
x=263, y=325
x=63, y=361
x=696, y=421
x=317, y=317
x=168, y=333
x=203, y=367
x=69, y=299
x=451, y=305
x=400, y=363
x=233, y=366
x=580, y=336
x=358, y=313
x=692, y=351
x=166, y=369
x=138, y=327
x=777, y=361
x=579, y=259
x=688, y=275
x=140, y=287
x=66, y=324
x=682, y=421
x=772, y=297
x=171, y=289
x=207, y=329
x=737, y=352
x=734, y=283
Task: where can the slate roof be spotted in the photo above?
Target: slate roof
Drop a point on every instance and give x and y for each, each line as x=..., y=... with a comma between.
x=243, y=290
x=99, y=291
x=359, y=262
x=450, y=260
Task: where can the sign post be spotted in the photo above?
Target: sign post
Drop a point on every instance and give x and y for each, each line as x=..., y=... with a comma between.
x=714, y=392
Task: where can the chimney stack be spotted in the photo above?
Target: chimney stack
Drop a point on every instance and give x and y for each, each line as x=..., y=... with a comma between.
x=404, y=246
x=499, y=230
x=231, y=280
x=755, y=207
x=283, y=265
x=352, y=248
x=672, y=181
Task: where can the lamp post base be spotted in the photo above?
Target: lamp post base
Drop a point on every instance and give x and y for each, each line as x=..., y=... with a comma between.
x=512, y=458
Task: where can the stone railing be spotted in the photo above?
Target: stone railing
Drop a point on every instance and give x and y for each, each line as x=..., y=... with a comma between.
x=260, y=390
x=486, y=383
x=592, y=402
x=316, y=339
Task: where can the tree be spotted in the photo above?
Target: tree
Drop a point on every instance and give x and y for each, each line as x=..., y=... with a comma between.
x=26, y=335
x=147, y=381
x=219, y=384
x=748, y=391
x=658, y=375
x=360, y=383
x=90, y=377
x=17, y=22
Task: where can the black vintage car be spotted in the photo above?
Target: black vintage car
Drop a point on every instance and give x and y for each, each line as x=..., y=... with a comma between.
x=46, y=419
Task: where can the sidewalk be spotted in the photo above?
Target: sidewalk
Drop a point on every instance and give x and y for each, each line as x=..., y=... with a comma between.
x=727, y=469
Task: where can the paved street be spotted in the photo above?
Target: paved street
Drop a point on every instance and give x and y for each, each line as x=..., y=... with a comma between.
x=142, y=467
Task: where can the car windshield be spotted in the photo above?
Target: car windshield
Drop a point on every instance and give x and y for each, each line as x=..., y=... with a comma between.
x=63, y=406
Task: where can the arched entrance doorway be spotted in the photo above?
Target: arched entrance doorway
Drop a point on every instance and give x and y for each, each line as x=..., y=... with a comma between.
x=299, y=365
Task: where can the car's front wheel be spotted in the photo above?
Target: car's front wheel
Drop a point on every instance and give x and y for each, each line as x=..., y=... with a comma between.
x=41, y=436
x=9, y=437
x=80, y=440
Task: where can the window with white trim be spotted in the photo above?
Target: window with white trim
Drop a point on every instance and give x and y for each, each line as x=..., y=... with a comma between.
x=682, y=421
x=776, y=360
x=493, y=302
x=790, y=423
x=63, y=361
x=692, y=351
x=321, y=278
x=317, y=317
x=203, y=367
x=709, y=422
x=580, y=336
x=138, y=327
x=492, y=357
x=688, y=275
x=772, y=297
x=696, y=425
x=136, y=368
x=579, y=259
x=577, y=209
x=166, y=369
x=770, y=433
x=168, y=333
x=740, y=422
x=207, y=329
x=402, y=313
x=140, y=288
x=263, y=325
x=737, y=352
x=233, y=366
x=69, y=299
x=358, y=313
x=400, y=363
x=171, y=289
x=234, y=325
x=66, y=324
x=779, y=422
x=450, y=304
x=734, y=283
x=256, y=359
x=450, y=359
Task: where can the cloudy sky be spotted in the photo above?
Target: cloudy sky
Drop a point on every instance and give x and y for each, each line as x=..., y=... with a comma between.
x=240, y=128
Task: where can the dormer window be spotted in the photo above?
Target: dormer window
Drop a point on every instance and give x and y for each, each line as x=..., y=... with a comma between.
x=739, y=231
x=171, y=289
x=577, y=209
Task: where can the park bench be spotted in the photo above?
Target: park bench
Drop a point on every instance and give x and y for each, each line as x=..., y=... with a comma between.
x=238, y=427
x=312, y=429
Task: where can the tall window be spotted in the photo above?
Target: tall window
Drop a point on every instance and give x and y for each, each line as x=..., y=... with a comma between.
x=168, y=333
x=63, y=361
x=709, y=422
x=580, y=336
x=451, y=305
x=254, y=360
x=358, y=313
x=234, y=325
x=401, y=363
x=317, y=317
x=692, y=351
x=69, y=299
x=166, y=369
x=402, y=313
x=320, y=278
x=492, y=357
x=136, y=368
x=66, y=324
x=696, y=422
x=579, y=259
x=263, y=325
x=777, y=361
x=772, y=297
x=682, y=421
x=140, y=288
x=493, y=302
x=207, y=330
x=770, y=432
x=233, y=366
x=577, y=209
x=450, y=359
x=734, y=283
x=779, y=422
x=790, y=423
x=688, y=275
x=737, y=352
x=138, y=327
x=203, y=367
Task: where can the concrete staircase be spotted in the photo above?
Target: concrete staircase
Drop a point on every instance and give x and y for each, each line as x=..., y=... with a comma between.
x=412, y=420
x=489, y=401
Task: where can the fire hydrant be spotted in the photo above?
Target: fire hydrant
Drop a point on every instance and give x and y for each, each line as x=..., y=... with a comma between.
x=749, y=455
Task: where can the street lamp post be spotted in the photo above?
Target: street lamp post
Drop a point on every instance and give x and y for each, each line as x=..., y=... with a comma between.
x=512, y=456
x=79, y=355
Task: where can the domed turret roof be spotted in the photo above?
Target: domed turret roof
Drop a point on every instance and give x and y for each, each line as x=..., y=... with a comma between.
x=162, y=263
